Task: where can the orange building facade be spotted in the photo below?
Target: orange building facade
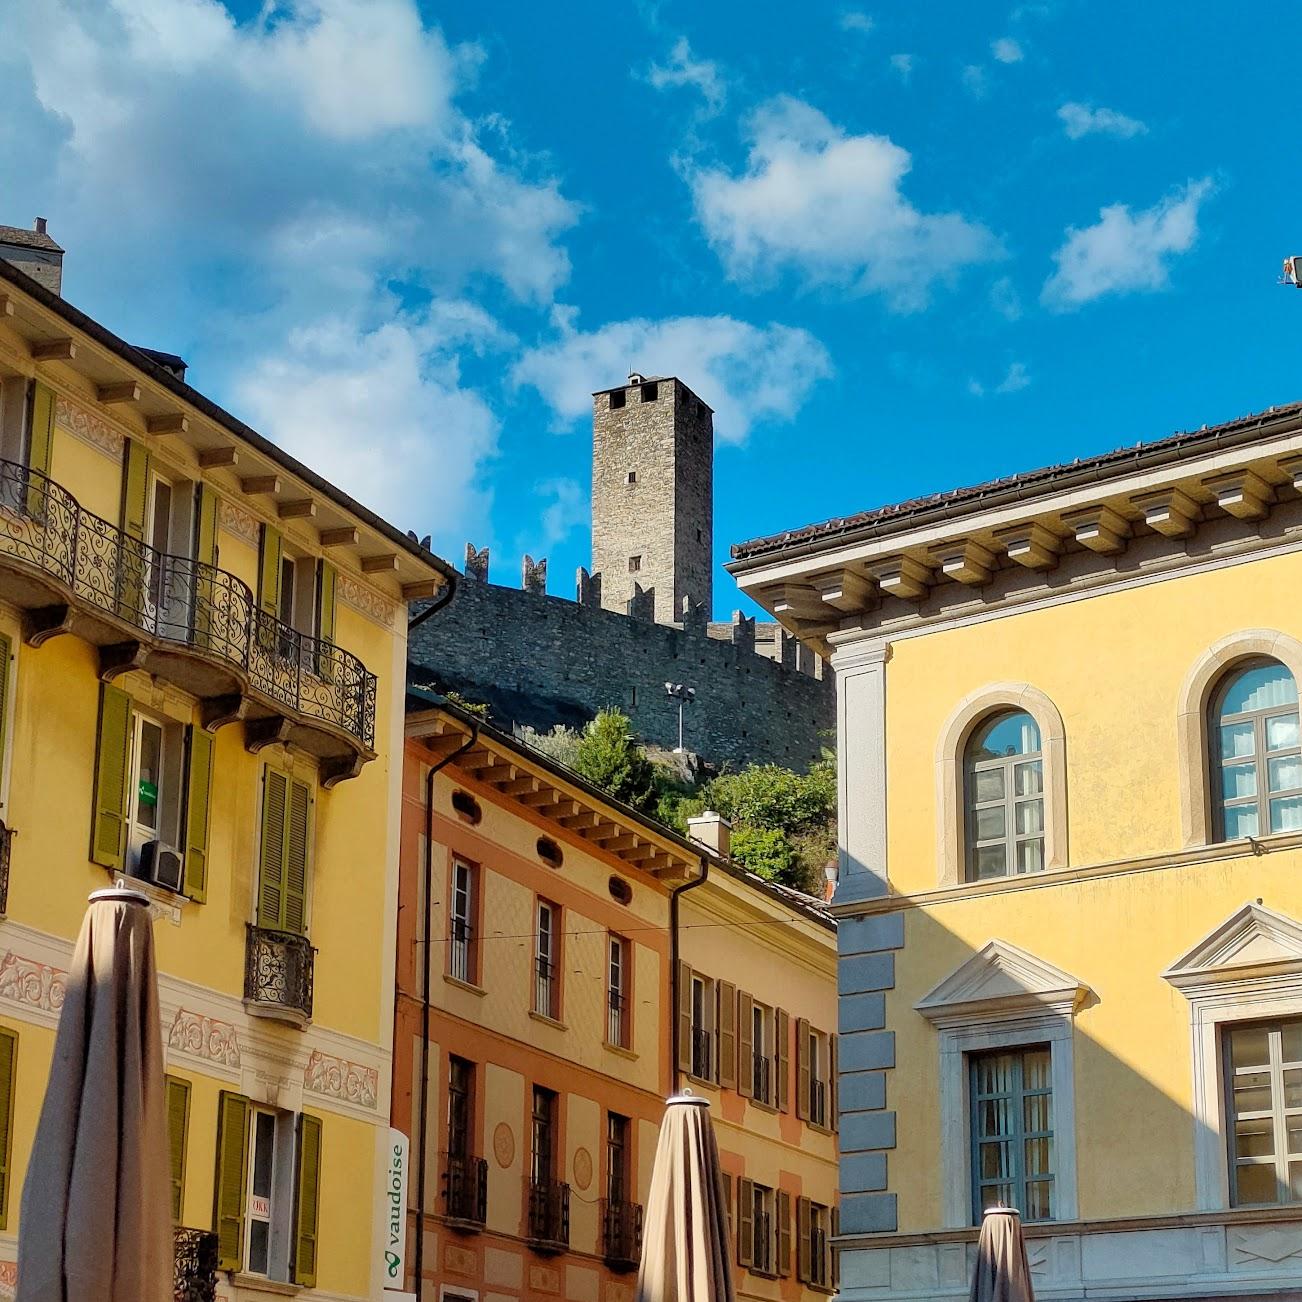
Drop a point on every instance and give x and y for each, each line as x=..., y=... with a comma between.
x=538, y=1066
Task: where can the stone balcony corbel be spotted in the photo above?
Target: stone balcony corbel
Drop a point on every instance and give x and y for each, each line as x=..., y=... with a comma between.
x=1242, y=493
x=1169, y=511
x=1030, y=544
x=1099, y=528
x=965, y=561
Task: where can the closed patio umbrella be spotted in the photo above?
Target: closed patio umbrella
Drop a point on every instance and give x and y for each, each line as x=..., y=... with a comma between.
x=96, y=1210
x=1002, y=1274
x=685, y=1241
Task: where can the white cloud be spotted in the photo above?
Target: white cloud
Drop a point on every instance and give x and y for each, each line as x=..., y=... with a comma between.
x=902, y=66
x=829, y=206
x=1081, y=120
x=568, y=509
x=1125, y=252
x=747, y=373
x=681, y=69
x=976, y=81
x=855, y=20
x=1007, y=50
x=1015, y=380
x=1005, y=299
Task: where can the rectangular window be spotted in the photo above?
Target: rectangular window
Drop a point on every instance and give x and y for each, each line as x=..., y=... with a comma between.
x=634, y=564
x=702, y=1028
x=616, y=399
x=8, y=1085
x=820, y=1078
x=285, y=853
x=1012, y=1132
x=618, y=1183
x=762, y=1230
x=178, y=1124
x=461, y=1082
x=761, y=1063
x=546, y=986
x=631, y=477
x=1263, y=1069
x=261, y=1184
x=461, y=920
x=650, y=391
x=814, y=1250
x=543, y=1158
x=155, y=792
x=617, y=1005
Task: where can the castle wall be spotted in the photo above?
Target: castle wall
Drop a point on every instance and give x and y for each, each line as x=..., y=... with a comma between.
x=540, y=660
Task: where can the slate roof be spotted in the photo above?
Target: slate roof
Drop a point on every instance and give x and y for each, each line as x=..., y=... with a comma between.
x=26, y=239
x=1026, y=484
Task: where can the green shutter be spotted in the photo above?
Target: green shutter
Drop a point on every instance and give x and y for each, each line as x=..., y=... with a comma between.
x=40, y=444
x=8, y=1061
x=307, y=1201
x=178, y=1125
x=135, y=489
x=112, y=765
x=297, y=838
x=205, y=553
x=232, y=1171
x=271, y=864
x=198, y=798
x=269, y=571
x=325, y=614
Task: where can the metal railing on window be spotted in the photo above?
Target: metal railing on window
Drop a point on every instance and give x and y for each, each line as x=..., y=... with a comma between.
x=7, y=835
x=465, y=1188
x=762, y=1244
x=760, y=1072
x=544, y=987
x=818, y=1102
x=194, y=1265
x=818, y=1257
x=616, y=1011
x=702, y=1055
x=549, y=1213
x=461, y=951
x=621, y=1233
x=278, y=971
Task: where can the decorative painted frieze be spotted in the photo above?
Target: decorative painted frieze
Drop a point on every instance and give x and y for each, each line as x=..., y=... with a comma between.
x=32, y=984
x=203, y=1037
x=364, y=600
x=235, y=519
x=91, y=429
x=340, y=1079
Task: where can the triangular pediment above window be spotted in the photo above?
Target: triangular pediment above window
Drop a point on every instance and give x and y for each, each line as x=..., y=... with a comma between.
x=1001, y=981
x=1254, y=942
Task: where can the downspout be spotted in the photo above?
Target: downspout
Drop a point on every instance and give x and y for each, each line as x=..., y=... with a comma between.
x=423, y=1148
x=674, y=993
x=437, y=604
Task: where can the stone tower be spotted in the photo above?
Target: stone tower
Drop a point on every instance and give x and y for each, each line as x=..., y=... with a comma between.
x=652, y=496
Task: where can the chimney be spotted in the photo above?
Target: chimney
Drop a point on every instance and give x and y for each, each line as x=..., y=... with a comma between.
x=33, y=253
x=713, y=831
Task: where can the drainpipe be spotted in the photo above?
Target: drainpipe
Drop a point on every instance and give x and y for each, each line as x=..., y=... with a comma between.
x=674, y=992
x=449, y=591
x=419, y=1255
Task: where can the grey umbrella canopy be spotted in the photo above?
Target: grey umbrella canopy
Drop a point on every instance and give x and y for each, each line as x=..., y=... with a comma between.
x=96, y=1210
x=685, y=1240
x=1002, y=1273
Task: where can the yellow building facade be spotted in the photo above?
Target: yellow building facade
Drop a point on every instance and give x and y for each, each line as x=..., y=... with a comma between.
x=583, y=963
x=203, y=650
x=1070, y=911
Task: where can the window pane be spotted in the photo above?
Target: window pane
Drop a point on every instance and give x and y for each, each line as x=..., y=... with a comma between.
x=1281, y=732
x=1256, y=1184
x=1250, y=1046
x=1291, y=1041
x=1252, y=1092
x=1286, y=814
x=994, y=1074
x=1030, y=816
x=1260, y=688
x=997, y=1195
x=1293, y=1126
x=1295, y=1182
x=1240, y=820
x=1038, y=1156
x=989, y=785
x=991, y=861
x=151, y=774
x=1238, y=781
x=1254, y=1137
x=1039, y=1200
x=1036, y=1065
x=990, y=823
x=1029, y=778
x=1030, y=856
x=995, y=1161
x=1237, y=739
x=264, y=1139
x=1036, y=1116
x=994, y=1118
x=259, y=1246
x=1007, y=734
x=1284, y=773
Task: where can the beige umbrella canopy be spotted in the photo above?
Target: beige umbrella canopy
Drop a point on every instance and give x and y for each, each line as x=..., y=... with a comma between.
x=685, y=1240
x=96, y=1211
x=1002, y=1274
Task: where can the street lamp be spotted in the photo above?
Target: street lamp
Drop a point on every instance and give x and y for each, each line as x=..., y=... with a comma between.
x=684, y=696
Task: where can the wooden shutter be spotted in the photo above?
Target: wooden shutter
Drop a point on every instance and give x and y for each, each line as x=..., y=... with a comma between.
x=40, y=442
x=727, y=1199
x=269, y=571
x=6, y=656
x=834, y=1251
x=802, y=1069
x=229, y=1187
x=297, y=849
x=271, y=863
x=745, y=1045
x=782, y=1060
x=745, y=1222
x=833, y=1087
x=782, y=1210
x=135, y=488
x=198, y=799
x=307, y=1200
x=8, y=1063
x=205, y=532
x=727, y=1021
x=805, y=1247
x=178, y=1124
x=112, y=766
x=684, y=1017
x=325, y=615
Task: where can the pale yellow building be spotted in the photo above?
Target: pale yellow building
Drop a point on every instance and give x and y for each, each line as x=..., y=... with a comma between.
x=202, y=648
x=1070, y=904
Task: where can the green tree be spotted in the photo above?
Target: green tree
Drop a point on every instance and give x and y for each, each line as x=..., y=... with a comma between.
x=609, y=757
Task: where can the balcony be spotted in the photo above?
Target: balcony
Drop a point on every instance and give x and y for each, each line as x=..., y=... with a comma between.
x=818, y=1103
x=621, y=1234
x=194, y=1258
x=278, y=975
x=465, y=1190
x=549, y=1215
x=760, y=1078
x=7, y=835
x=192, y=624
x=702, y=1045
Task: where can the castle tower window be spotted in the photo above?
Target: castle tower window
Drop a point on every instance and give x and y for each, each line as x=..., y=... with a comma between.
x=650, y=392
x=617, y=399
x=631, y=477
x=634, y=564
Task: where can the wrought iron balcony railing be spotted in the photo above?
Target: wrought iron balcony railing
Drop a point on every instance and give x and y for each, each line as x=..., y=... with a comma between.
x=194, y=1256
x=180, y=601
x=465, y=1188
x=760, y=1078
x=621, y=1233
x=278, y=975
x=818, y=1102
x=819, y=1258
x=7, y=835
x=544, y=987
x=702, y=1046
x=549, y=1214
x=616, y=1014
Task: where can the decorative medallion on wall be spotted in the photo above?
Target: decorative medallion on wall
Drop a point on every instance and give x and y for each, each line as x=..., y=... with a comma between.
x=362, y=599
x=89, y=428
x=340, y=1079
x=8, y=1280
x=582, y=1168
x=203, y=1037
x=32, y=984
x=503, y=1145
x=235, y=519
x=459, y=1261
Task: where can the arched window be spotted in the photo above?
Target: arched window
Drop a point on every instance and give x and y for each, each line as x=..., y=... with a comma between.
x=1004, y=797
x=1256, y=760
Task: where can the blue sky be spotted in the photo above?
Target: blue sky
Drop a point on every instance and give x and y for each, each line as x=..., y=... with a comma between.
x=898, y=247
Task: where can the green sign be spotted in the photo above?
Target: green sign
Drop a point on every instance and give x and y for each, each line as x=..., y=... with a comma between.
x=148, y=792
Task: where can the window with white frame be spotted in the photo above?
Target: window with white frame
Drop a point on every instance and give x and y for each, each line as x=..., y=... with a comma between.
x=617, y=987
x=1011, y=1096
x=702, y=1027
x=1257, y=759
x=270, y=1194
x=461, y=924
x=546, y=988
x=761, y=1066
x=1004, y=797
x=1263, y=1091
x=15, y=418
x=157, y=785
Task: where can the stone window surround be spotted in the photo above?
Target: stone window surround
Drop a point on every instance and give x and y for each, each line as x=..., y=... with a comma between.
x=1197, y=824
x=951, y=850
